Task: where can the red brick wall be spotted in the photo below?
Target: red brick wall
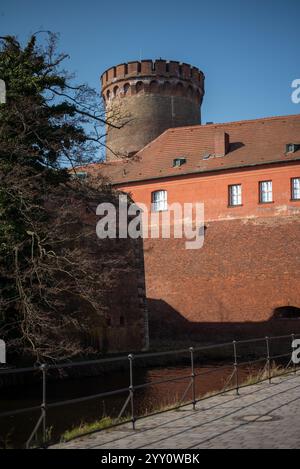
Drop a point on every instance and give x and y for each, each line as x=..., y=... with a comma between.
x=128, y=327
x=232, y=286
x=249, y=264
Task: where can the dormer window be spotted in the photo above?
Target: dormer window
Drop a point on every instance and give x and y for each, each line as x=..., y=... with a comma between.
x=178, y=162
x=80, y=175
x=292, y=147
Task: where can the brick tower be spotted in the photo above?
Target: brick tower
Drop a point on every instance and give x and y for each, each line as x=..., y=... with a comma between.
x=142, y=99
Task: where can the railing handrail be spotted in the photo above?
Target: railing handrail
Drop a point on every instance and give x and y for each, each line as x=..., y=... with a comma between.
x=138, y=356
x=43, y=368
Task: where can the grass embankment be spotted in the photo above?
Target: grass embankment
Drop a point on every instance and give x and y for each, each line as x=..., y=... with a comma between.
x=265, y=374
x=85, y=428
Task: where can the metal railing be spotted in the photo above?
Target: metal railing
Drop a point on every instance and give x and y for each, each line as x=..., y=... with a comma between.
x=236, y=365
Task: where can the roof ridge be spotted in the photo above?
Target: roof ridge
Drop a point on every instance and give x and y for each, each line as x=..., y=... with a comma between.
x=99, y=163
x=245, y=121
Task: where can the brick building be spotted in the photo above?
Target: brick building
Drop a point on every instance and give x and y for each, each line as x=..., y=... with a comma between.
x=245, y=279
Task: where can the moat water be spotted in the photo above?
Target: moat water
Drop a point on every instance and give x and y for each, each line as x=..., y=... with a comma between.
x=15, y=430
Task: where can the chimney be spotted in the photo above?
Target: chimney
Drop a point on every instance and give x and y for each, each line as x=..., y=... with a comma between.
x=221, y=143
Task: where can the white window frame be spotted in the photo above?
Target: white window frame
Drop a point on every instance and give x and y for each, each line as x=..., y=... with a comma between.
x=265, y=192
x=295, y=188
x=235, y=195
x=159, y=200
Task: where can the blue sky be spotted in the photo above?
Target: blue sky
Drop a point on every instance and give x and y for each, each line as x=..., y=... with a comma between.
x=248, y=49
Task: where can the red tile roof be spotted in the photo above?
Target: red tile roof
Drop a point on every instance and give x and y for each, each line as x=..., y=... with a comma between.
x=252, y=142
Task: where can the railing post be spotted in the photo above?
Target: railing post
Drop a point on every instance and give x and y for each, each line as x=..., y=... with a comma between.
x=131, y=389
x=294, y=364
x=43, y=369
x=236, y=370
x=268, y=360
x=193, y=377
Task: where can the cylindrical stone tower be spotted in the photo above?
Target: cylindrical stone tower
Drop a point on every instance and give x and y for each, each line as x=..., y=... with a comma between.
x=142, y=99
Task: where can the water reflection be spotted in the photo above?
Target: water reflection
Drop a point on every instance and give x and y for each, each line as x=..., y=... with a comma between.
x=16, y=429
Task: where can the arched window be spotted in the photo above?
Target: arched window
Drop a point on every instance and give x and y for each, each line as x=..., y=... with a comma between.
x=116, y=91
x=126, y=88
x=190, y=91
x=159, y=200
x=167, y=87
x=286, y=312
x=153, y=86
x=108, y=95
x=139, y=86
x=179, y=89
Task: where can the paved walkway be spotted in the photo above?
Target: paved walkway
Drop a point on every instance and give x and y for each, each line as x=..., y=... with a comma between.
x=263, y=416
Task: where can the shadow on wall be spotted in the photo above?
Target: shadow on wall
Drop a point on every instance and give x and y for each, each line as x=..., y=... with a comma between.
x=167, y=325
x=236, y=146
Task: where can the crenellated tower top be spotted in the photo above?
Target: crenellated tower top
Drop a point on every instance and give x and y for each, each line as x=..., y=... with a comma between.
x=147, y=97
x=153, y=76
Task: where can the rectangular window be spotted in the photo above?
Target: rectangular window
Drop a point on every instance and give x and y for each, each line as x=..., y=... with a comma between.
x=295, y=188
x=265, y=192
x=235, y=195
x=159, y=201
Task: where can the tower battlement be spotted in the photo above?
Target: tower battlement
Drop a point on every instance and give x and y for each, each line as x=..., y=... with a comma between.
x=153, y=76
x=152, y=68
x=147, y=97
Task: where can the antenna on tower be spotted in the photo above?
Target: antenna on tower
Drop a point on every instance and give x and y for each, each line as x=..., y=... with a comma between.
x=140, y=55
